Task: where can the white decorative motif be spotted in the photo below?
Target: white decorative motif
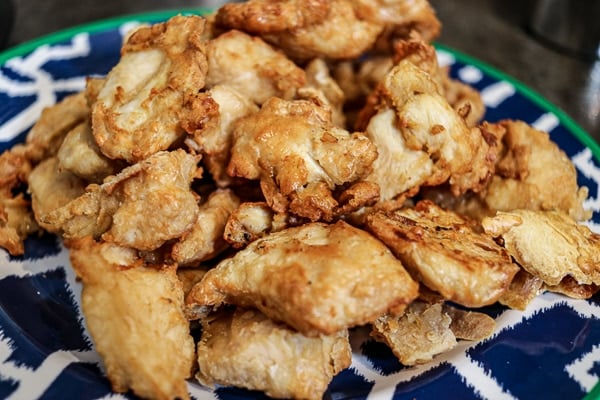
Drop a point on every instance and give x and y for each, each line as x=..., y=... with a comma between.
x=496, y=93
x=40, y=83
x=546, y=122
x=470, y=74
x=579, y=370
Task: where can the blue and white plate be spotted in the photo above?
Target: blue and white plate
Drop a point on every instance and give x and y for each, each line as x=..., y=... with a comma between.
x=550, y=351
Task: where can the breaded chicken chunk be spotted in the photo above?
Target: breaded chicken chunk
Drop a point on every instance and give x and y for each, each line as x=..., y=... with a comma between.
x=523, y=179
x=252, y=220
x=80, y=155
x=16, y=218
x=205, y=239
x=143, y=206
x=421, y=138
x=300, y=157
x=317, y=278
x=135, y=316
x=244, y=348
x=265, y=16
x=45, y=137
x=549, y=244
x=139, y=109
x=251, y=67
x=445, y=253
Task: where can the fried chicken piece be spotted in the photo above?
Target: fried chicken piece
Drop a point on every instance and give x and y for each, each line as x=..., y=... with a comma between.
x=469, y=325
x=400, y=18
x=523, y=179
x=80, y=155
x=300, y=157
x=253, y=220
x=317, y=278
x=244, y=348
x=569, y=287
x=266, y=16
x=213, y=140
x=342, y=34
x=422, y=332
x=149, y=92
x=51, y=189
x=45, y=137
x=446, y=253
x=205, y=239
x=422, y=139
x=252, y=68
x=135, y=316
x=548, y=244
x=189, y=277
x=16, y=219
x=142, y=207
x=321, y=84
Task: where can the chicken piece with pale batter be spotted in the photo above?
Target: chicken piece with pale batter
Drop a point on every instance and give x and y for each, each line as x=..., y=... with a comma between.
x=146, y=96
x=134, y=313
x=422, y=139
x=301, y=158
x=523, y=179
x=142, y=207
x=548, y=244
x=317, y=278
x=244, y=348
x=446, y=253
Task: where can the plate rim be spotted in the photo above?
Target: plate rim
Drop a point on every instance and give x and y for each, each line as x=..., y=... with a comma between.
x=110, y=23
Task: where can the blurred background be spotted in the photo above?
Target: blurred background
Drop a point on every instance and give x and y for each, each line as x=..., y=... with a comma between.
x=523, y=38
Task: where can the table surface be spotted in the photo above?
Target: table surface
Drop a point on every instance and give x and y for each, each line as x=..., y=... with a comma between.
x=493, y=31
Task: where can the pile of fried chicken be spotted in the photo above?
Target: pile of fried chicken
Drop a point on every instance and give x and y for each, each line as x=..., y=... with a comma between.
x=275, y=175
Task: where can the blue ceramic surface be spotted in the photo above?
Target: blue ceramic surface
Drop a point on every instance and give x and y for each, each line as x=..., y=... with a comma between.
x=550, y=351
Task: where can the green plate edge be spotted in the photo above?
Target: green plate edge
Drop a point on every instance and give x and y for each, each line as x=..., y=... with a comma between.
x=110, y=23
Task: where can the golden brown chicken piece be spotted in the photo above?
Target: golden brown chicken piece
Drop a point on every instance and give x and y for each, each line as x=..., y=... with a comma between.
x=16, y=219
x=523, y=179
x=321, y=84
x=213, y=140
x=80, y=155
x=300, y=157
x=421, y=138
x=47, y=134
x=342, y=34
x=422, y=332
x=400, y=18
x=244, y=348
x=251, y=67
x=548, y=244
x=446, y=253
x=265, y=16
x=205, y=239
x=569, y=287
x=135, y=317
x=318, y=278
x=51, y=189
x=145, y=97
x=522, y=290
x=143, y=206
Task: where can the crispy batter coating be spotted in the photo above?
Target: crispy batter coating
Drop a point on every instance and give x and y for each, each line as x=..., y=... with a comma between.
x=522, y=290
x=299, y=156
x=341, y=35
x=321, y=84
x=443, y=251
x=265, y=16
x=143, y=206
x=250, y=221
x=421, y=138
x=252, y=67
x=205, y=239
x=16, y=219
x=548, y=244
x=523, y=179
x=244, y=348
x=47, y=134
x=469, y=325
x=318, y=278
x=145, y=97
x=401, y=18
x=422, y=332
x=51, y=189
x=80, y=155
x=135, y=317
x=569, y=287
x=214, y=137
